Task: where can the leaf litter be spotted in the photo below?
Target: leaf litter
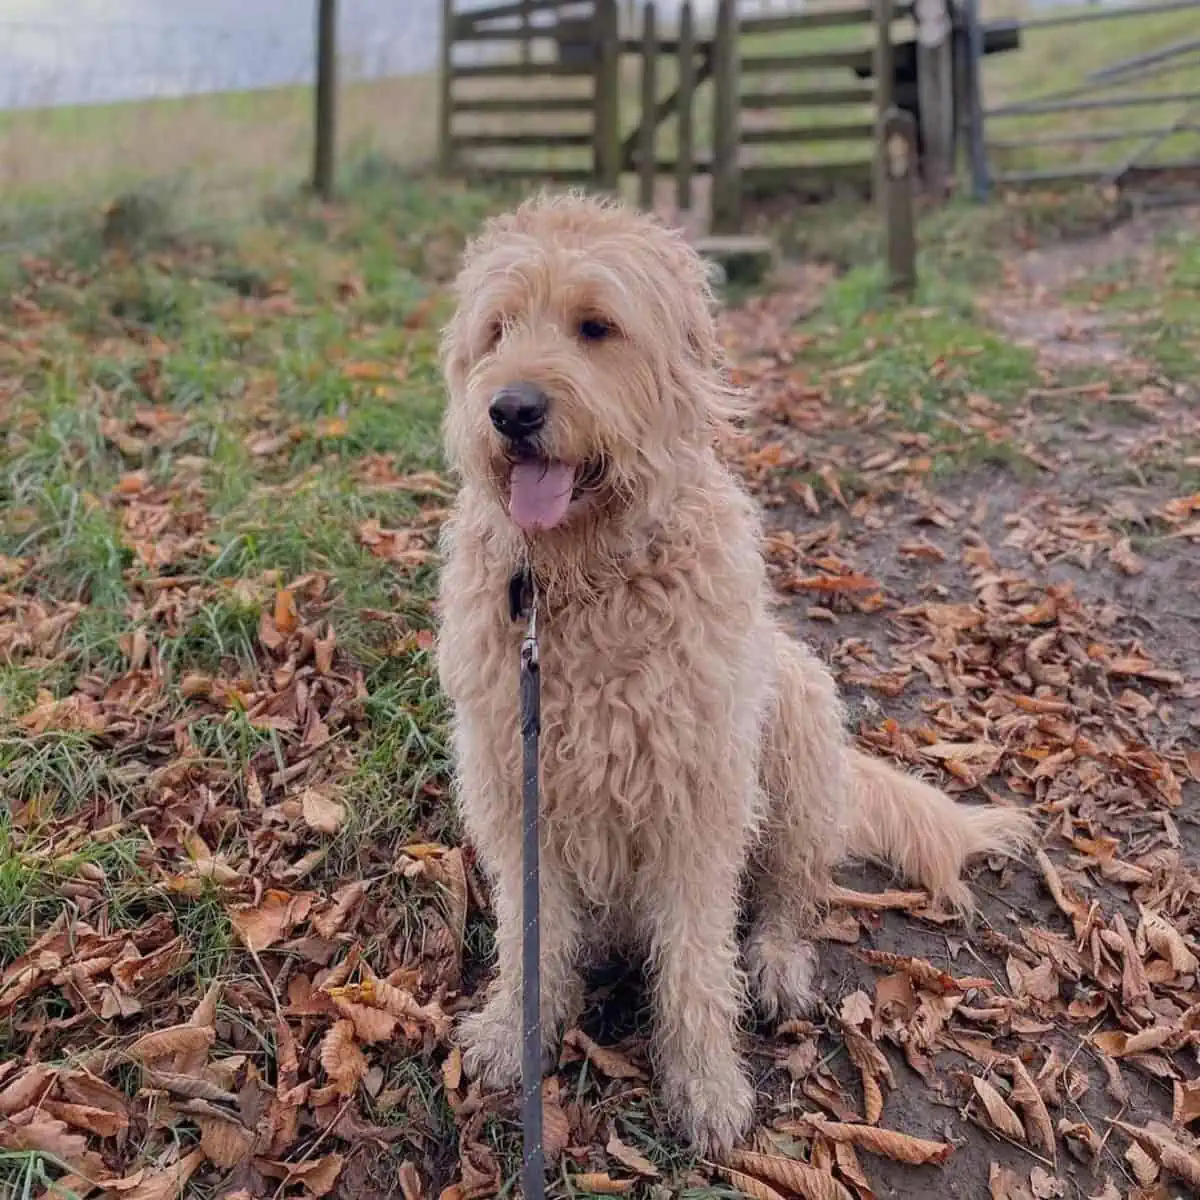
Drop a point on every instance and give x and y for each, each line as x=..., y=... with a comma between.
x=1012, y=672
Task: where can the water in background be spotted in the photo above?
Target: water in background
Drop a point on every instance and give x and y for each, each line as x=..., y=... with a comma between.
x=60, y=52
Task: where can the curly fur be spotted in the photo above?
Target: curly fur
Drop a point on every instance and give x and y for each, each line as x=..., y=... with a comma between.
x=694, y=757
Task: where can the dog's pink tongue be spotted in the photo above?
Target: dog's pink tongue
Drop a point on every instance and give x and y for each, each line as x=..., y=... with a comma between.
x=539, y=494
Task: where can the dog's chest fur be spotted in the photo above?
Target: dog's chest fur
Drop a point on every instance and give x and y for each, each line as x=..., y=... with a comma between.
x=637, y=681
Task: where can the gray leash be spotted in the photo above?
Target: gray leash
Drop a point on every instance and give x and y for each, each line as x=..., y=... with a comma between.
x=522, y=601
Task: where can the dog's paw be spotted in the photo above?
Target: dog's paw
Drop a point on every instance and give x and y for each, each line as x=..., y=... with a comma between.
x=714, y=1110
x=491, y=1046
x=781, y=971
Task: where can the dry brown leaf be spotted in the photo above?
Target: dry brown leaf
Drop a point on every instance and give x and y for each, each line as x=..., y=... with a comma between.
x=342, y=1061
x=607, y=1062
x=287, y=619
x=1108, y=1192
x=804, y=1181
x=890, y=1143
x=26, y=1089
x=162, y=1185
x=924, y=974
x=322, y=813
x=102, y=1122
x=1028, y=1100
x=1002, y=1117
x=261, y=925
x=1005, y=1184
x=556, y=1126
x=226, y=1142
x=1186, y=1108
x=452, y=1070
x=1143, y=1166
x=410, y=1181
x=34, y=1130
x=1116, y=1043
x=178, y=1039
x=1168, y=942
x=604, y=1184
x=318, y=1175
x=1179, y=1161
x=630, y=1158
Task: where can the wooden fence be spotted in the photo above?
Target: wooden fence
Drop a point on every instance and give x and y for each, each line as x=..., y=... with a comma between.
x=596, y=101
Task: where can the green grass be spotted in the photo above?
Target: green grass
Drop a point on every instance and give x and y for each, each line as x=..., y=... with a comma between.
x=205, y=420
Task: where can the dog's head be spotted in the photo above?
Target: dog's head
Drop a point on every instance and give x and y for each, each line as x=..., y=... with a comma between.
x=582, y=363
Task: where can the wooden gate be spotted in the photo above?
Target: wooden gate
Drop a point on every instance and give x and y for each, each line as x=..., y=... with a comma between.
x=556, y=89
x=1114, y=120
x=529, y=88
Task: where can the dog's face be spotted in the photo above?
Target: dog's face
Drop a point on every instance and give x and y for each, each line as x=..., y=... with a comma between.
x=581, y=360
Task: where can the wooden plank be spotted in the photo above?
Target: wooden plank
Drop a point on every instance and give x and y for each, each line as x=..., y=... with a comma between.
x=686, y=94
x=515, y=8
x=519, y=70
x=862, y=93
x=523, y=104
x=606, y=147
x=726, y=197
x=550, y=140
x=849, y=131
x=526, y=171
x=775, y=64
x=325, y=99
x=743, y=260
x=898, y=152
x=857, y=171
x=860, y=14
x=647, y=126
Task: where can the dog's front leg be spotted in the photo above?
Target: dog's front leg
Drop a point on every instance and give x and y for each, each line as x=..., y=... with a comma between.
x=698, y=992
x=491, y=1038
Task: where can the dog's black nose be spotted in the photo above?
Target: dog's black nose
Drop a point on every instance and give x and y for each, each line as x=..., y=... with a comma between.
x=519, y=410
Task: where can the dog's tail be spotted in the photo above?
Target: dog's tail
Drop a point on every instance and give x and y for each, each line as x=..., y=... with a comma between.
x=920, y=831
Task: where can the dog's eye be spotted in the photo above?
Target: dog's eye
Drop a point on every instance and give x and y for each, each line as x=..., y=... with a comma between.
x=593, y=329
x=495, y=331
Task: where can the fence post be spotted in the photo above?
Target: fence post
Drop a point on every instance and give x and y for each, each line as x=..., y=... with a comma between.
x=647, y=125
x=883, y=68
x=935, y=93
x=325, y=99
x=974, y=83
x=606, y=127
x=687, y=91
x=898, y=153
x=446, y=91
x=726, y=174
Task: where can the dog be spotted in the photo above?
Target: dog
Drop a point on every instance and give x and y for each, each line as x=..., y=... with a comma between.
x=695, y=760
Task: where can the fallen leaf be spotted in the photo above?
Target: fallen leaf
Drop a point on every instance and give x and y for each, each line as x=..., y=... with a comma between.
x=607, y=1062
x=318, y=1175
x=602, y=1183
x=178, y=1039
x=1001, y=1116
x=890, y=1143
x=342, y=1061
x=1179, y=1161
x=321, y=812
x=168, y=1184
x=1028, y=1100
x=630, y=1158
x=802, y=1180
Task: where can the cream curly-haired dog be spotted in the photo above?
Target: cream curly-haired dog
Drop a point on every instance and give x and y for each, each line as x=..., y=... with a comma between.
x=693, y=754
